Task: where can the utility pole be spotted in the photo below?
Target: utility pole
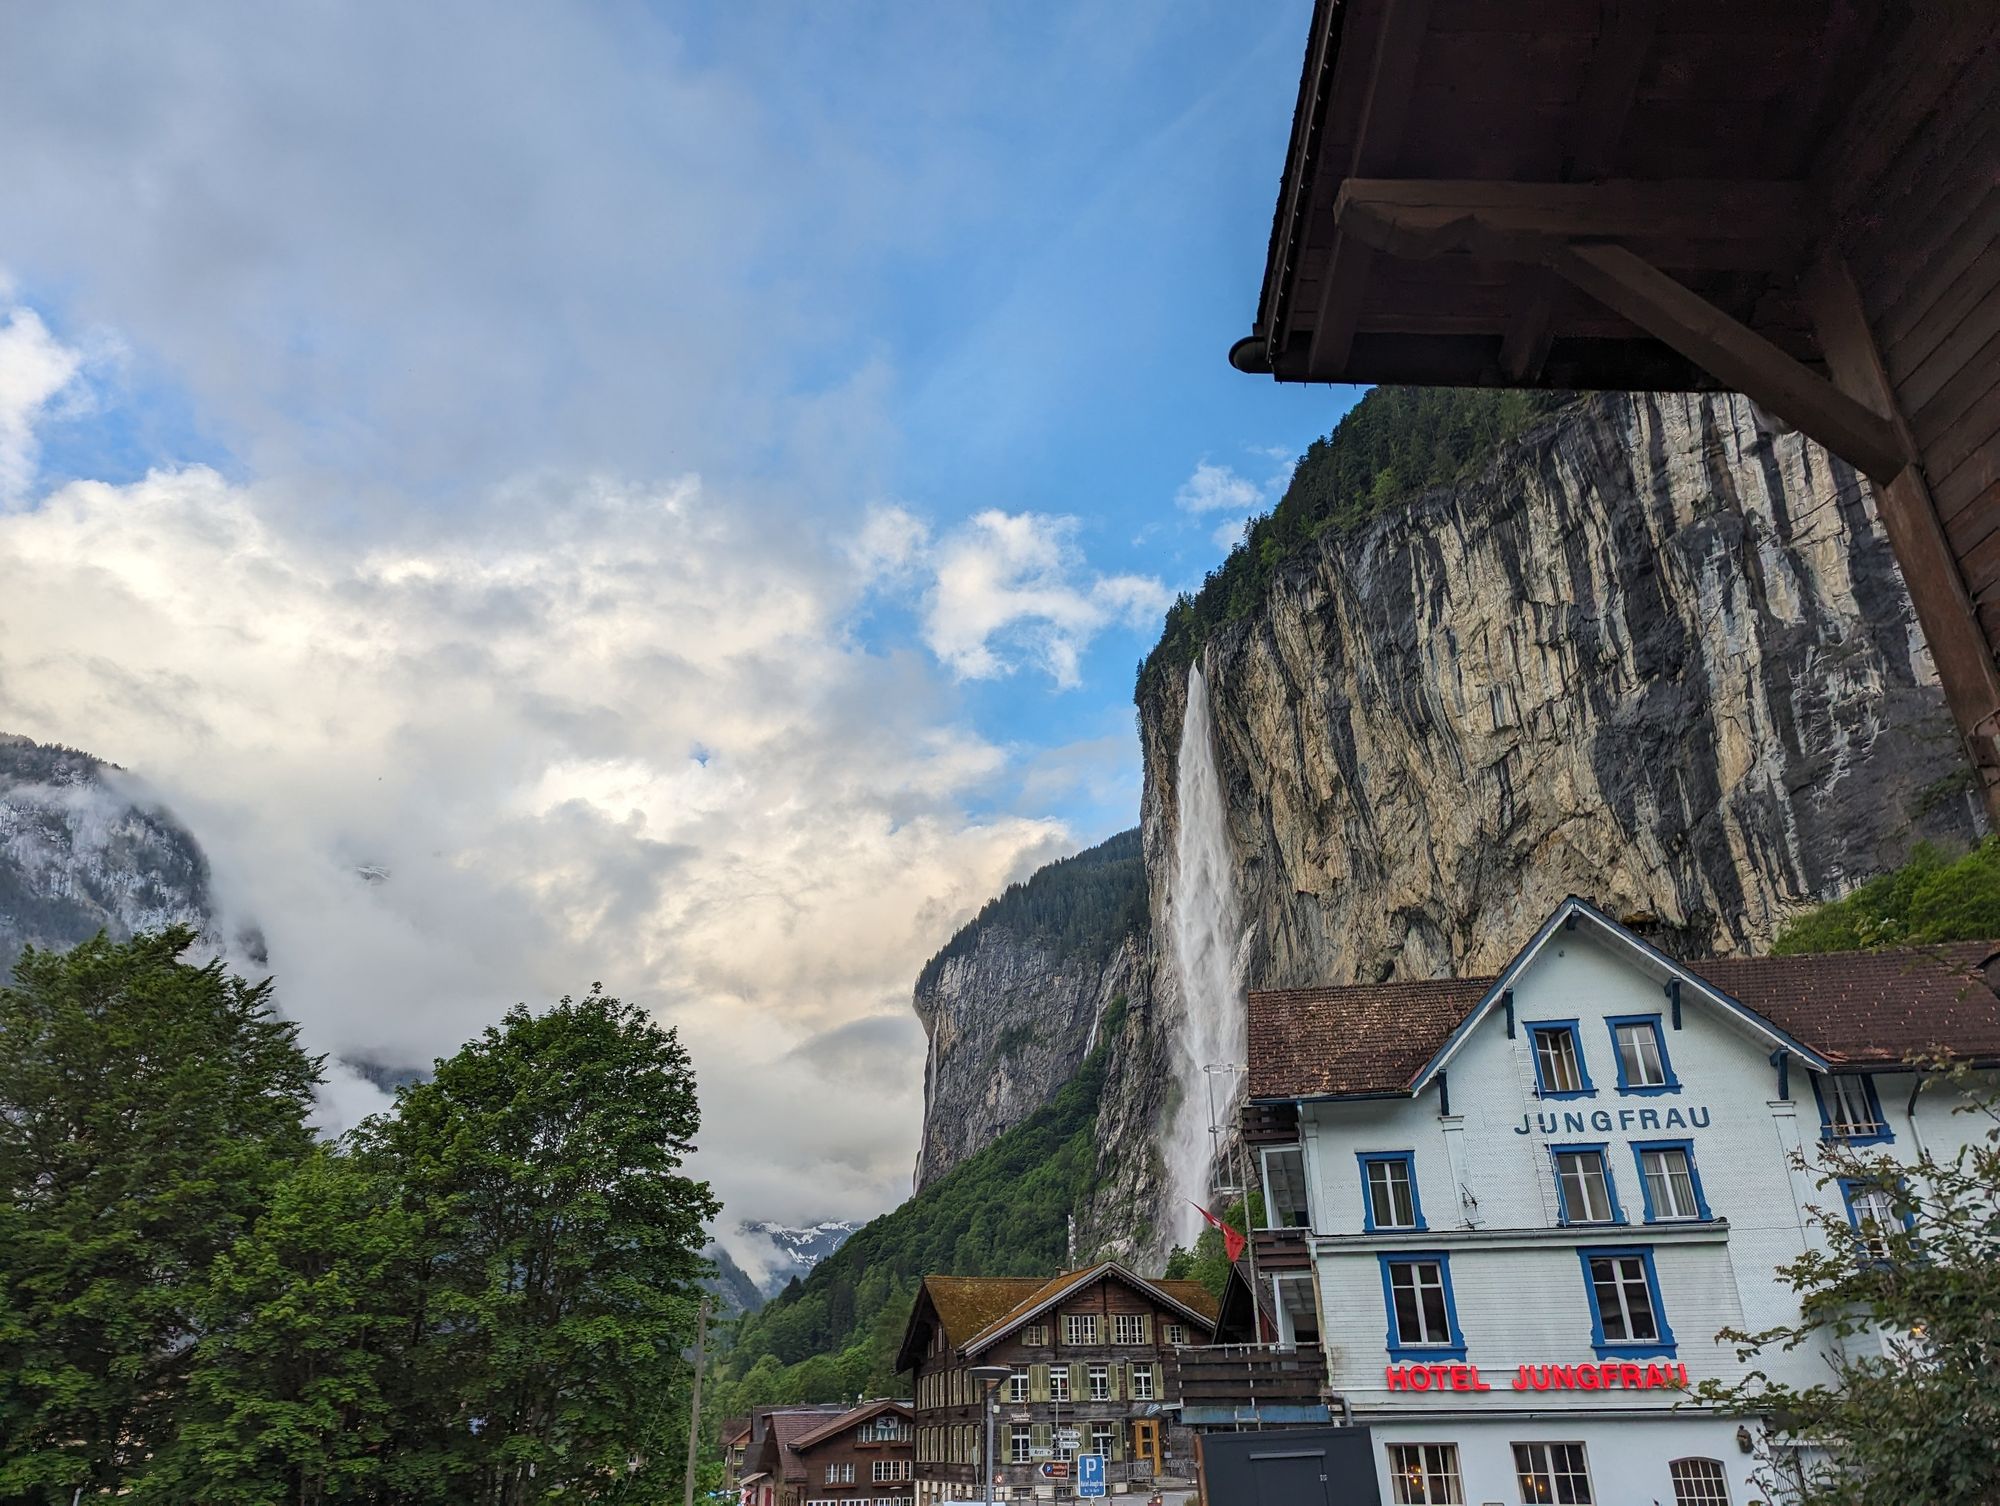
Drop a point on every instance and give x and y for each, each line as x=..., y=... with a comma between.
x=694, y=1405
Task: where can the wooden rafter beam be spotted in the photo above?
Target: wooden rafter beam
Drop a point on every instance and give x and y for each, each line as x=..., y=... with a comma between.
x=1625, y=33
x=1378, y=138
x=1738, y=356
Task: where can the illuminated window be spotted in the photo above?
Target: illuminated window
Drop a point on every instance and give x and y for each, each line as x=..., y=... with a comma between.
x=1583, y=1183
x=1425, y=1474
x=1558, y=1063
x=1699, y=1482
x=1553, y=1472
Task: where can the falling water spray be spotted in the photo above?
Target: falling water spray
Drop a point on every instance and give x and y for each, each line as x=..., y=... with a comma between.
x=1208, y=964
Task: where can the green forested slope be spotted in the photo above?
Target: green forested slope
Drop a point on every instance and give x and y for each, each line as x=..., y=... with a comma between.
x=1395, y=442
x=1086, y=904
x=1002, y=1212
x=1933, y=897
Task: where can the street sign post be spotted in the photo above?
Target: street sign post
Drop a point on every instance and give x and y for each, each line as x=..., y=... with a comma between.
x=1090, y=1474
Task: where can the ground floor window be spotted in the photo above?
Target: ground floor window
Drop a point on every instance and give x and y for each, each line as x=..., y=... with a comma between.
x=1424, y=1474
x=1553, y=1472
x=1100, y=1438
x=1699, y=1482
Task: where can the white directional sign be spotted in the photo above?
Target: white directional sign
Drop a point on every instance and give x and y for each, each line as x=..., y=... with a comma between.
x=1070, y=1436
x=1090, y=1474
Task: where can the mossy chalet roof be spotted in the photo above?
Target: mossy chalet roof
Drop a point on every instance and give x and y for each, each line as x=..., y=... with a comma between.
x=975, y=1310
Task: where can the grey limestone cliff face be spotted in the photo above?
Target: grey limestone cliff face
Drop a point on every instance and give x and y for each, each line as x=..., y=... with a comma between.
x=1009, y=1022
x=1655, y=655
x=83, y=849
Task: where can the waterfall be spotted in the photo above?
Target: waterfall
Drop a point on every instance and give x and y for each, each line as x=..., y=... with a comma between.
x=1206, y=936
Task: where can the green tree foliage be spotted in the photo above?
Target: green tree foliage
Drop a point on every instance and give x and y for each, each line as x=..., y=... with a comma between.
x=1083, y=905
x=1393, y=444
x=555, y=1247
x=484, y=1296
x=1208, y=1260
x=148, y=1107
x=1002, y=1212
x=1934, y=897
x=1910, y=1407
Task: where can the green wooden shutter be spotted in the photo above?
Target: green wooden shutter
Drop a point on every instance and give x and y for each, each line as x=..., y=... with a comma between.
x=1117, y=1381
x=1038, y=1383
x=1159, y=1394
x=1117, y=1444
x=1040, y=1435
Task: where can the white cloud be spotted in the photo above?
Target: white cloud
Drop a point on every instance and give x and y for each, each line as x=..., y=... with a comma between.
x=34, y=367
x=613, y=734
x=1013, y=588
x=1228, y=535
x=1217, y=488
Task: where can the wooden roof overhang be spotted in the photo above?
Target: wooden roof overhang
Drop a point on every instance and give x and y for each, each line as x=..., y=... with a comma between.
x=1794, y=199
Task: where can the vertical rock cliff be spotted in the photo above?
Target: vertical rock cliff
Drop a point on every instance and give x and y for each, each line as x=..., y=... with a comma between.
x=1652, y=654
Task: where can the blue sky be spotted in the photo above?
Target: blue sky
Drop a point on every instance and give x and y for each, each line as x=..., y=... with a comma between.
x=689, y=459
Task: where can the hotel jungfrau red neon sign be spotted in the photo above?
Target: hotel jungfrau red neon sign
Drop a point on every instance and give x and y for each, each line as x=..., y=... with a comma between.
x=1608, y=1375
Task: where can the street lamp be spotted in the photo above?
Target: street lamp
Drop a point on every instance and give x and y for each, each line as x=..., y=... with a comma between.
x=989, y=1376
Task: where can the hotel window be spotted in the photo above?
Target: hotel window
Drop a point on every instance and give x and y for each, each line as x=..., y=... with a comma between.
x=1141, y=1382
x=1872, y=1211
x=1699, y=1482
x=1018, y=1444
x=1553, y=1472
x=1176, y=1333
x=840, y=1474
x=1128, y=1328
x=1625, y=1303
x=1285, y=1188
x=1101, y=1434
x=1583, y=1185
x=1669, y=1181
x=1080, y=1328
x=1850, y=1111
x=1559, y=1062
x=1017, y=1383
x=1389, y=1183
x=1099, y=1378
x=1035, y=1335
x=1425, y=1474
x=1058, y=1383
x=1422, y=1319
x=1641, y=1050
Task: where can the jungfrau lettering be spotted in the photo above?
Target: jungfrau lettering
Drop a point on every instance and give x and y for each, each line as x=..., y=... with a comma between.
x=1604, y=1121
x=1607, y=1375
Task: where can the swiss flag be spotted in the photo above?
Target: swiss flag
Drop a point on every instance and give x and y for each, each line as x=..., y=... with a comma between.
x=1232, y=1241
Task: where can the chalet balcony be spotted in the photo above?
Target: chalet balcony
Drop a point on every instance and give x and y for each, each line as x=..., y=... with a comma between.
x=1279, y=1250
x=1232, y=1385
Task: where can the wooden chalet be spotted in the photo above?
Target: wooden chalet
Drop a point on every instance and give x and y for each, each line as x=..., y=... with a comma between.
x=1092, y=1359
x=769, y=1471
x=863, y=1457
x=1795, y=199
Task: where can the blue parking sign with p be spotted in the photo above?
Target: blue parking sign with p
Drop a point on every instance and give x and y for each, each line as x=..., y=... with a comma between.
x=1090, y=1474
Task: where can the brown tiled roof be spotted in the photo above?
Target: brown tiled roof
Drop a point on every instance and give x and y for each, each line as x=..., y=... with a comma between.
x=848, y=1420
x=788, y=1428
x=1361, y=1038
x=1189, y=1294
x=1851, y=1007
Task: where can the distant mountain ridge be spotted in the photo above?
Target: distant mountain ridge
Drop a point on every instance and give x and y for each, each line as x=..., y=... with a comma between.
x=82, y=849
x=759, y=1258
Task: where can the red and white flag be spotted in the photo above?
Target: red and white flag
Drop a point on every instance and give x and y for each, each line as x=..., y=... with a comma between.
x=1232, y=1241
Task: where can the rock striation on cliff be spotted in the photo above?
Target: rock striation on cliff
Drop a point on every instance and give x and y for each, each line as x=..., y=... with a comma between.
x=1011, y=1005
x=1652, y=653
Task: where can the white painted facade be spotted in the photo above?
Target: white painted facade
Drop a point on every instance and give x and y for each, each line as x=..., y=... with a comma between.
x=1490, y=1206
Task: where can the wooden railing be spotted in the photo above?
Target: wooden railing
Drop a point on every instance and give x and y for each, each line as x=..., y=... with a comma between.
x=1247, y=1374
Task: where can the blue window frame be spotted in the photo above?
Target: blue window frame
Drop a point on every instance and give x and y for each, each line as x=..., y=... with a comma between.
x=1854, y=1190
x=1627, y=1320
x=1638, y=1041
x=1557, y=1049
x=1585, y=1190
x=1669, y=1196
x=1423, y=1315
x=1849, y=1110
x=1384, y=1189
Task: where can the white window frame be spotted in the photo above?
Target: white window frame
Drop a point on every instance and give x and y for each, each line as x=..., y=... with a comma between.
x=1601, y=1211
x=840, y=1474
x=1398, y=1181
x=1020, y=1444
x=1417, y=1287
x=1035, y=1335
x=1848, y=1113
x=1570, y=1058
x=1017, y=1384
x=1139, y=1383
x=1097, y=1383
x=1662, y=1193
x=1699, y=1482
x=1177, y=1333
x=1425, y=1474
x=1623, y=1280
x=1128, y=1328
x=1305, y=1186
x=1080, y=1328
x=1646, y=1033
x=1059, y=1383
x=1540, y=1468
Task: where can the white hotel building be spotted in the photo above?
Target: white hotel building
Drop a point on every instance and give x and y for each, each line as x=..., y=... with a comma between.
x=1531, y=1201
